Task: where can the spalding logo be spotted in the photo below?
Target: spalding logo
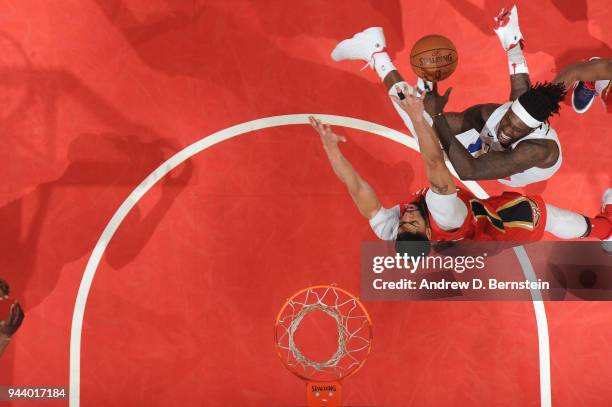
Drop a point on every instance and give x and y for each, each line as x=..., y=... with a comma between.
x=331, y=387
x=436, y=60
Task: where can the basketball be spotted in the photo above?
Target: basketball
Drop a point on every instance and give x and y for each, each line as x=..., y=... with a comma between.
x=433, y=58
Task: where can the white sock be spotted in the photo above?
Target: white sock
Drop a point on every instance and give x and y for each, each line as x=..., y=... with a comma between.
x=382, y=64
x=403, y=114
x=565, y=224
x=601, y=85
x=516, y=61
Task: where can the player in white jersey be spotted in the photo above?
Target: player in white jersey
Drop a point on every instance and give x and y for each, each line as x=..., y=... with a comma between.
x=488, y=141
x=512, y=143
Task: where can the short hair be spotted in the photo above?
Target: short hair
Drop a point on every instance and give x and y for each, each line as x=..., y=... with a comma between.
x=412, y=244
x=542, y=100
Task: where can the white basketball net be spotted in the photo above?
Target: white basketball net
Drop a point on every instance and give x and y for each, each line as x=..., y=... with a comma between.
x=354, y=333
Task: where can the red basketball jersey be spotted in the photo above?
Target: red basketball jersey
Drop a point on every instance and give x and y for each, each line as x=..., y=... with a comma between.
x=507, y=217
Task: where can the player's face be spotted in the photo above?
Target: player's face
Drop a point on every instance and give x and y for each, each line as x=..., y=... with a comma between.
x=412, y=221
x=511, y=129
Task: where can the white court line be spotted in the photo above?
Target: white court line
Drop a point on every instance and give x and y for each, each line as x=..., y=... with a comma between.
x=542, y=324
x=226, y=134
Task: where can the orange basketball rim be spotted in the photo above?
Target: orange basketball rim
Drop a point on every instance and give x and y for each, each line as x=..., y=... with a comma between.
x=323, y=304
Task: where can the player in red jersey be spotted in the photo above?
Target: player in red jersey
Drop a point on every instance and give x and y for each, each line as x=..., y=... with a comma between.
x=444, y=212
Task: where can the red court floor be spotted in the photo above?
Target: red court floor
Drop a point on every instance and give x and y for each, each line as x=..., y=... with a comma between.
x=94, y=95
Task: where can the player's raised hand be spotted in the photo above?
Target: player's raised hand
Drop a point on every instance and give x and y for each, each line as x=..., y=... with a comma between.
x=328, y=137
x=10, y=326
x=412, y=103
x=4, y=290
x=434, y=102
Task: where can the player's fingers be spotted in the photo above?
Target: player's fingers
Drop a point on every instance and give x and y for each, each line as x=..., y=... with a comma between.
x=396, y=99
x=313, y=122
x=342, y=139
x=448, y=92
x=435, y=87
x=400, y=93
x=20, y=316
x=12, y=315
x=319, y=126
x=327, y=128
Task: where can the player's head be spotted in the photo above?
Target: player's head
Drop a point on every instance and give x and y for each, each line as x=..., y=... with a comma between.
x=414, y=231
x=532, y=109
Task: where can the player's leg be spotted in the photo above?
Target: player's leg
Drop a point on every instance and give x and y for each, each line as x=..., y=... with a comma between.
x=511, y=38
x=566, y=224
x=584, y=92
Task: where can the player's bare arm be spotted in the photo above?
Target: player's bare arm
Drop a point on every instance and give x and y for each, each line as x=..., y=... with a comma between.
x=519, y=84
x=473, y=117
x=439, y=176
x=494, y=164
x=502, y=164
x=589, y=71
x=362, y=193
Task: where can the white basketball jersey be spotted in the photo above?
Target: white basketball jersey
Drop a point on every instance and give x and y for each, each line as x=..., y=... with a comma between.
x=490, y=142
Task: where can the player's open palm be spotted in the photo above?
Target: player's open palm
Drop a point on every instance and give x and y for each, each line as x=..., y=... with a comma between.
x=434, y=102
x=328, y=137
x=10, y=326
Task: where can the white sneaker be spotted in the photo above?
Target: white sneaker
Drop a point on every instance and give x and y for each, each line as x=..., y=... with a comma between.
x=507, y=28
x=362, y=46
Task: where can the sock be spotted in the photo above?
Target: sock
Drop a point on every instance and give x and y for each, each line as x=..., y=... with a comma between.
x=382, y=64
x=601, y=85
x=516, y=61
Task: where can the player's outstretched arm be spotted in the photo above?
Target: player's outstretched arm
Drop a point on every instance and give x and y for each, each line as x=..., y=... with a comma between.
x=593, y=70
x=439, y=176
x=362, y=193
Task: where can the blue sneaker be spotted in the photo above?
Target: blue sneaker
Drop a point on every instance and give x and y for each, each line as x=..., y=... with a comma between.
x=583, y=95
